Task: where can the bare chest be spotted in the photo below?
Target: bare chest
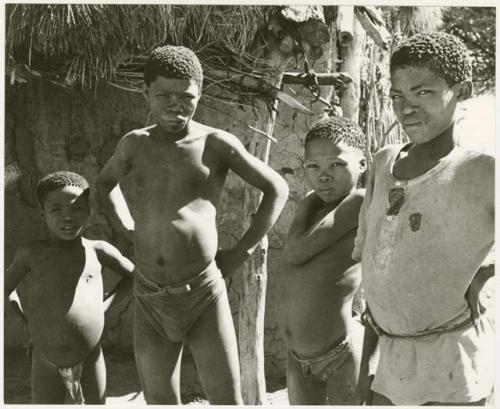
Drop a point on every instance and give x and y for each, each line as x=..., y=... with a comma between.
x=61, y=277
x=172, y=170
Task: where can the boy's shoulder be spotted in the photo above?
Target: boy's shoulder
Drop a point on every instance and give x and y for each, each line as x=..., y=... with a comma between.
x=32, y=252
x=98, y=246
x=476, y=157
x=33, y=248
x=136, y=136
x=354, y=200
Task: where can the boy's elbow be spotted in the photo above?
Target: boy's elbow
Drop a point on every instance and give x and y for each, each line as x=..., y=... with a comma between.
x=278, y=190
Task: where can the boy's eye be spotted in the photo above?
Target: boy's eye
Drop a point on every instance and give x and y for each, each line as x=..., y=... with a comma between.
x=424, y=92
x=335, y=164
x=395, y=97
x=312, y=166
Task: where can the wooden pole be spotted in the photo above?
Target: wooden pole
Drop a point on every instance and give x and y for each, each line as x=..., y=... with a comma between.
x=253, y=296
x=352, y=58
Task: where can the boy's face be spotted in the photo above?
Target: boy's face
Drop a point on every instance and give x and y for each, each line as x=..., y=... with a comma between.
x=423, y=103
x=332, y=169
x=172, y=102
x=65, y=211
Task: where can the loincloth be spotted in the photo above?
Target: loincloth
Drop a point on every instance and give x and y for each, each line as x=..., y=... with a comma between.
x=172, y=310
x=71, y=377
x=323, y=364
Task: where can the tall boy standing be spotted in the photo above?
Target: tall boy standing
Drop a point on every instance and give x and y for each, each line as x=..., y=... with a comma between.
x=425, y=228
x=179, y=167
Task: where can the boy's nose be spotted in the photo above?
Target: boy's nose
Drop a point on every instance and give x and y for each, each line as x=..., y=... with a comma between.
x=408, y=107
x=325, y=178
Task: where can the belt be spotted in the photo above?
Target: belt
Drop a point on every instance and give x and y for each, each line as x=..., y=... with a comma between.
x=367, y=318
x=177, y=288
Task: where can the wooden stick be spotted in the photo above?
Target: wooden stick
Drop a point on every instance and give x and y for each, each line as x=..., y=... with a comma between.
x=272, y=138
x=253, y=296
x=333, y=78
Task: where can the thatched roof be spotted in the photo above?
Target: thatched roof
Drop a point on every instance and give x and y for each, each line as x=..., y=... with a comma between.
x=81, y=44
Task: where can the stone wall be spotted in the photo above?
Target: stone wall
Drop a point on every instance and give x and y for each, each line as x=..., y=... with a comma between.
x=50, y=128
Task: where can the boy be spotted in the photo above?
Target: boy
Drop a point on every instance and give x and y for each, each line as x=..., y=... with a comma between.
x=425, y=228
x=179, y=167
x=61, y=295
x=320, y=278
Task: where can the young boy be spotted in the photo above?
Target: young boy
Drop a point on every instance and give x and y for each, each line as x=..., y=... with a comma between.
x=426, y=226
x=179, y=167
x=320, y=279
x=61, y=295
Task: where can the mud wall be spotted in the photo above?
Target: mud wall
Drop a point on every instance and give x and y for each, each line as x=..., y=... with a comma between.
x=49, y=128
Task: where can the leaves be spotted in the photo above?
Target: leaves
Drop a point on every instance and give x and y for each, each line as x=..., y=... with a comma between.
x=475, y=26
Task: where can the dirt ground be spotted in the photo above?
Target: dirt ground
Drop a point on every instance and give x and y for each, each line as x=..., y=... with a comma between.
x=123, y=382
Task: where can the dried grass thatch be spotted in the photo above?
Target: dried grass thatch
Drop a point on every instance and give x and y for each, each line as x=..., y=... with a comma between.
x=81, y=44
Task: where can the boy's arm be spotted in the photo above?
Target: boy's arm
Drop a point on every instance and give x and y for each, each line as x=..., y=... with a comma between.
x=13, y=276
x=485, y=272
x=109, y=193
x=110, y=256
x=359, y=241
x=259, y=175
x=304, y=244
x=369, y=360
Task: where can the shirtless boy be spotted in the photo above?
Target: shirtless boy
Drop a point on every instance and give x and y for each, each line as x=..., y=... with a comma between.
x=320, y=279
x=61, y=294
x=425, y=228
x=179, y=167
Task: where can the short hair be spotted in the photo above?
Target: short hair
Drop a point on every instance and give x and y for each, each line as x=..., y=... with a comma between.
x=59, y=179
x=175, y=62
x=338, y=129
x=442, y=53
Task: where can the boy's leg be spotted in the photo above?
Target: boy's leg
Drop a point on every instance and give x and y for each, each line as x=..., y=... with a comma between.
x=94, y=378
x=303, y=390
x=341, y=385
x=158, y=363
x=47, y=386
x=212, y=341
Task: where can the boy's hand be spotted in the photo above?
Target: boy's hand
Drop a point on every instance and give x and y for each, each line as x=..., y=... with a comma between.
x=229, y=261
x=363, y=390
x=472, y=295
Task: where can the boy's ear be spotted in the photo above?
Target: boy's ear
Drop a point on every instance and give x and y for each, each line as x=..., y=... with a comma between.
x=464, y=90
x=362, y=165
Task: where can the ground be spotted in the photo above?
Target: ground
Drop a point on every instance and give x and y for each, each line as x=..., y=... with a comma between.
x=123, y=382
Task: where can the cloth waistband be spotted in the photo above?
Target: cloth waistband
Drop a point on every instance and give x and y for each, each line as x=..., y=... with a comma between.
x=367, y=318
x=320, y=356
x=183, y=286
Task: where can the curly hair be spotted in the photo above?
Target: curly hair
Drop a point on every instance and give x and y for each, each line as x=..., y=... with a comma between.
x=59, y=179
x=444, y=54
x=338, y=129
x=175, y=62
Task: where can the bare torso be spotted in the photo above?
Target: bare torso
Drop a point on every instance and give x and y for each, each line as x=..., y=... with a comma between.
x=178, y=186
x=315, y=300
x=62, y=298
